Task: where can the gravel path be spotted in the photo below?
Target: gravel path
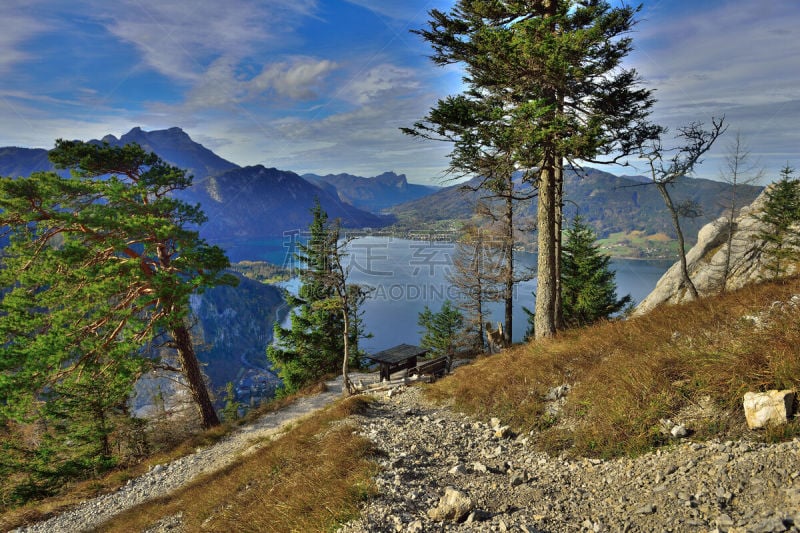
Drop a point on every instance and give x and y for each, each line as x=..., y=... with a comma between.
x=166, y=478
x=495, y=481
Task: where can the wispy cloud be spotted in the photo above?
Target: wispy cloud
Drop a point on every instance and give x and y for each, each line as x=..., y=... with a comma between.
x=382, y=83
x=179, y=39
x=222, y=85
x=17, y=25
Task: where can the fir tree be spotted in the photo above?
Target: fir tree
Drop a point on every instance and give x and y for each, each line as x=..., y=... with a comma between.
x=781, y=216
x=441, y=330
x=313, y=345
x=545, y=83
x=589, y=289
x=587, y=281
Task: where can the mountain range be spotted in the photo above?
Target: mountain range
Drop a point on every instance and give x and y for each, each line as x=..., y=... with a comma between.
x=246, y=206
x=251, y=208
x=610, y=204
x=372, y=194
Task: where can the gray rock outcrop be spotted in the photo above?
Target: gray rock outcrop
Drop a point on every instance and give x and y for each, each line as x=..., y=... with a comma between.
x=706, y=260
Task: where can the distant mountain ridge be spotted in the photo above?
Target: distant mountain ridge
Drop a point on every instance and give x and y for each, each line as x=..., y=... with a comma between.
x=374, y=194
x=176, y=147
x=245, y=205
x=18, y=162
x=610, y=203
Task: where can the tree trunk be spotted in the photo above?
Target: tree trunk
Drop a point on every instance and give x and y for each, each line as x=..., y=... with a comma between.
x=508, y=292
x=194, y=377
x=547, y=269
x=731, y=221
x=544, y=319
x=687, y=281
x=479, y=311
x=347, y=388
x=559, y=219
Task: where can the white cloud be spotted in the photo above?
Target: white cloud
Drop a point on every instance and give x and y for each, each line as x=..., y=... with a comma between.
x=735, y=54
x=381, y=83
x=221, y=86
x=297, y=79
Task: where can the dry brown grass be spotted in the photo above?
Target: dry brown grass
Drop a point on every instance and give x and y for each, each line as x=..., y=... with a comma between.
x=170, y=446
x=628, y=375
x=311, y=479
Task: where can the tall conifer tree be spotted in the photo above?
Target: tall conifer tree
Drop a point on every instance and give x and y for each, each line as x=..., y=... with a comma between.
x=313, y=345
x=550, y=73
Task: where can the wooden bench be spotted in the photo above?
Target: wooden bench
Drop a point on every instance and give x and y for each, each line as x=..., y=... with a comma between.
x=435, y=367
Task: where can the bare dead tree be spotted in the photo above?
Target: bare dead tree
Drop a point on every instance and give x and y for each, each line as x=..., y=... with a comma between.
x=476, y=276
x=693, y=141
x=738, y=170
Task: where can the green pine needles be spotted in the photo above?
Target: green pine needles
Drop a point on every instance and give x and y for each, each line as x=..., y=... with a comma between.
x=781, y=219
x=588, y=287
x=98, y=264
x=325, y=322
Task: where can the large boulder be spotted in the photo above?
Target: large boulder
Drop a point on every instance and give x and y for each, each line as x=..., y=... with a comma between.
x=762, y=409
x=706, y=260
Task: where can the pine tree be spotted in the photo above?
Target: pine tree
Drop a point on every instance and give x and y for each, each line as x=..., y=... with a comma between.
x=441, y=330
x=313, y=345
x=781, y=215
x=589, y=290
x=98, y=264
x=544, y=84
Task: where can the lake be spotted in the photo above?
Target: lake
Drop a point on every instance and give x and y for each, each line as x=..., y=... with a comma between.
x=407, y=275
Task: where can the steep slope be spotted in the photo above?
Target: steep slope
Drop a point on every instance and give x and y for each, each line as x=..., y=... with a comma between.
x=235, y=325
x=706, y=260
x=609, y=203
x=175, y=146
x=373, y=194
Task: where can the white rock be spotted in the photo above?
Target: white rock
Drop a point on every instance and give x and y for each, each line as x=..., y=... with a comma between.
x=748, y=260
x=773, y=407
x=453, y=505
x=458, y=470
x=479, y=467
x=679, y=431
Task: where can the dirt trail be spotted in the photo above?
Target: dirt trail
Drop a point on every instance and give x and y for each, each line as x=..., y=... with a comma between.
x=166, y=478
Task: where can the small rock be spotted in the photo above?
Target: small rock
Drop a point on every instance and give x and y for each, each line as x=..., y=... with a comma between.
x=679, y=431
x=415, y=526
x=646, y=509
x=517, y=478
x=458, y=470
x=479, y=467
x=724, y=521
x=502, y=432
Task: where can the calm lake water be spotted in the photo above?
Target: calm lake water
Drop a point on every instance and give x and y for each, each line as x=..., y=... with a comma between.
x=407, y=275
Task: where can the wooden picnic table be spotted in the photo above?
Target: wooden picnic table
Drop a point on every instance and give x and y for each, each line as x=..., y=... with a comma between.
x=402, y=356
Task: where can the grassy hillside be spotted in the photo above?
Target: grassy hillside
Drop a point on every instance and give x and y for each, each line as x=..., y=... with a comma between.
x=690, y=363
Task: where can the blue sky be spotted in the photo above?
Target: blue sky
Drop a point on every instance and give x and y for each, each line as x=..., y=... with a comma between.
x=323, y=85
